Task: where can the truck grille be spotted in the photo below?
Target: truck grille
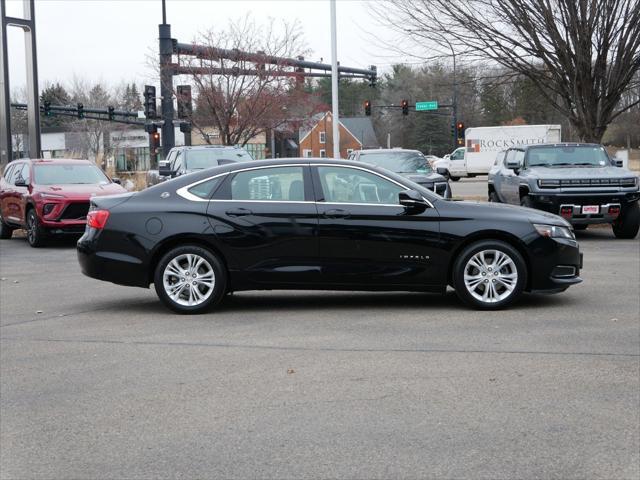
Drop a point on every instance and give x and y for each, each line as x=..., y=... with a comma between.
x=75, y=211
x=589, y=182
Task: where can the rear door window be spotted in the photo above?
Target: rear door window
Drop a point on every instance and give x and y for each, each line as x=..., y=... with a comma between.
x=283, y=184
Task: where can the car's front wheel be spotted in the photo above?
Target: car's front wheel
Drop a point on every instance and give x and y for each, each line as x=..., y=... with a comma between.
x=493, y=197
x=628, y=223
x=489, y=274
x=190, y=279
x=35, y=233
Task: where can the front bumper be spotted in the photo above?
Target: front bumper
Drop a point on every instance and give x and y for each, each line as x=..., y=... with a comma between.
x=557, y=264
x=609, y=205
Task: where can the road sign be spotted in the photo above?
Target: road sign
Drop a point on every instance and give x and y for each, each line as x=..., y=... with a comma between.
x=421, y=106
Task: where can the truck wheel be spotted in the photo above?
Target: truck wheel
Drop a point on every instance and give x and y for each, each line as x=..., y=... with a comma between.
x=628, y=223
x=35, y=233
x=493, y=197
x=5, y=230
x=453, y=179
x=526, y=202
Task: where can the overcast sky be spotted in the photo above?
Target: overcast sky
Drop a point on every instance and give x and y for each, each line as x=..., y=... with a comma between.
x=110, y=40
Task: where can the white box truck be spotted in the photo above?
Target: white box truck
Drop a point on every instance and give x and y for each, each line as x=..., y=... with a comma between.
x=484, y=143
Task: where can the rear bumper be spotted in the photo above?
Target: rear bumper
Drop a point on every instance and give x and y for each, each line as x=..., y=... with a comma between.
x=109, y=266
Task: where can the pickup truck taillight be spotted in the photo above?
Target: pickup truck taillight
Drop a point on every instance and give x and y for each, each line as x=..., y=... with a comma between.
x=97, y=219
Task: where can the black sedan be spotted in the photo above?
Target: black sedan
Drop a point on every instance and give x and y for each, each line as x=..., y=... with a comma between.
x=325, y=225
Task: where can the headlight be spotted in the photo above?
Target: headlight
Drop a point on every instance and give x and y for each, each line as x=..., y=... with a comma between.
x=554, y=231
x=548, y=183
x=50, y=195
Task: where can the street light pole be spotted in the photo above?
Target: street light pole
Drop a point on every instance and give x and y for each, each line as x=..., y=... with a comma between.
x=334, y=83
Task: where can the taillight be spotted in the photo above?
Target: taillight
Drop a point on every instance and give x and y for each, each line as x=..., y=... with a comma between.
x=97, y=218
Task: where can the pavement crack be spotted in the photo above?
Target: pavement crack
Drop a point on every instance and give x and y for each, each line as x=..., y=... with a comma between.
x=318, y=349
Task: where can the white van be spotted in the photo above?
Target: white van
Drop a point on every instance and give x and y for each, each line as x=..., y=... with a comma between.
x=484, y=143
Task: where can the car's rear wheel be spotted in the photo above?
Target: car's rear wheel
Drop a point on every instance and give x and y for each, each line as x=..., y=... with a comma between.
x=5, y=230
x=190, y=279
x=493, y=197
x=628, y=223
x=35, y=233
x=489, y=275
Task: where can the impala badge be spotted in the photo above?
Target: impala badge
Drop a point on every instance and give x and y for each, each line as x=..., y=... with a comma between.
x=414, y=257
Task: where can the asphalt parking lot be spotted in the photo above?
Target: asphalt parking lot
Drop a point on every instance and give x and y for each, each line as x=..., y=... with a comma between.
x=100, y=381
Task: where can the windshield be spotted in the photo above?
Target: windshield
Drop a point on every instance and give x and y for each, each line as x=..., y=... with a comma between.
x=574, y=156
x=398, y=162
x=209, y=157
x=69, y=174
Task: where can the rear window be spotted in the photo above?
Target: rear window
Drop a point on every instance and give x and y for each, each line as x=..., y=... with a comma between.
x=69, y=174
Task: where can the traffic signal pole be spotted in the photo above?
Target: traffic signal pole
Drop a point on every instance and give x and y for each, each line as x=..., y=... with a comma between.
x=166, y=84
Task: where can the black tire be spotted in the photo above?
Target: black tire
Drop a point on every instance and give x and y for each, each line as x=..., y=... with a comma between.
x=212, y=262
x=35, y=233
x=517, y=266
x=5, y=230
x=626, y=226
x=527, y=202
x=493, y=197
x=582, y=226
x=453, y=179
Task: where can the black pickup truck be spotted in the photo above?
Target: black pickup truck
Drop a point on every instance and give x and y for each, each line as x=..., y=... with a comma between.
x=182, y=160
x=578, y=181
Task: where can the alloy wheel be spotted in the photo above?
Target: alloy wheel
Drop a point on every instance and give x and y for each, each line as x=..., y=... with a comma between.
x=32, y=227
x=189, y=279
x=490, y=276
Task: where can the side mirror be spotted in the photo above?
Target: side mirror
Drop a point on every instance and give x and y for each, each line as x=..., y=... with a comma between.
x=164, y=169
x=618, y=163
x=513, y=165
x=20, y=182
x=116, y=180
x=412, y=200
x=441, y=171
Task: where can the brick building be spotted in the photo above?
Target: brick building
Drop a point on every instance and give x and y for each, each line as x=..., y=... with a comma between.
x=356, y=133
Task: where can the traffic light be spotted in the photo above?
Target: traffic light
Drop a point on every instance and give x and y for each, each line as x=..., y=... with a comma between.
x=185, y=108
x=185, y=127
x=373, y=78
x=405, y=107
x=150, y=128
x=80, y=110
x=47, y=108
x=460, y=128
x=453, y=128
x=367, y=108
x=150, y=110
x=111, y=113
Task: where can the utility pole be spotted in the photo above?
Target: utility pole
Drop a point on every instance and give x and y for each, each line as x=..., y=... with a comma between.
x=334, y=83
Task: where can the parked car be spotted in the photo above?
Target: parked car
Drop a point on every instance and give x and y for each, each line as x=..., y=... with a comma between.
x=321, y=224
x=50, y=197
x=577, y=181
x=182, y=160
x=408, y=163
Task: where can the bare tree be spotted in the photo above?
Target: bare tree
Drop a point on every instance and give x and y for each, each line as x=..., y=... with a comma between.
x=580, y=54
x=236, y=97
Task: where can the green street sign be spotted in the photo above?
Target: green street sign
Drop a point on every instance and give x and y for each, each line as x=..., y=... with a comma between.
x=421, y=106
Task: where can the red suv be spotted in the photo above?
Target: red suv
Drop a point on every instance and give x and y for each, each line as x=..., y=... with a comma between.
x=49, y=196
